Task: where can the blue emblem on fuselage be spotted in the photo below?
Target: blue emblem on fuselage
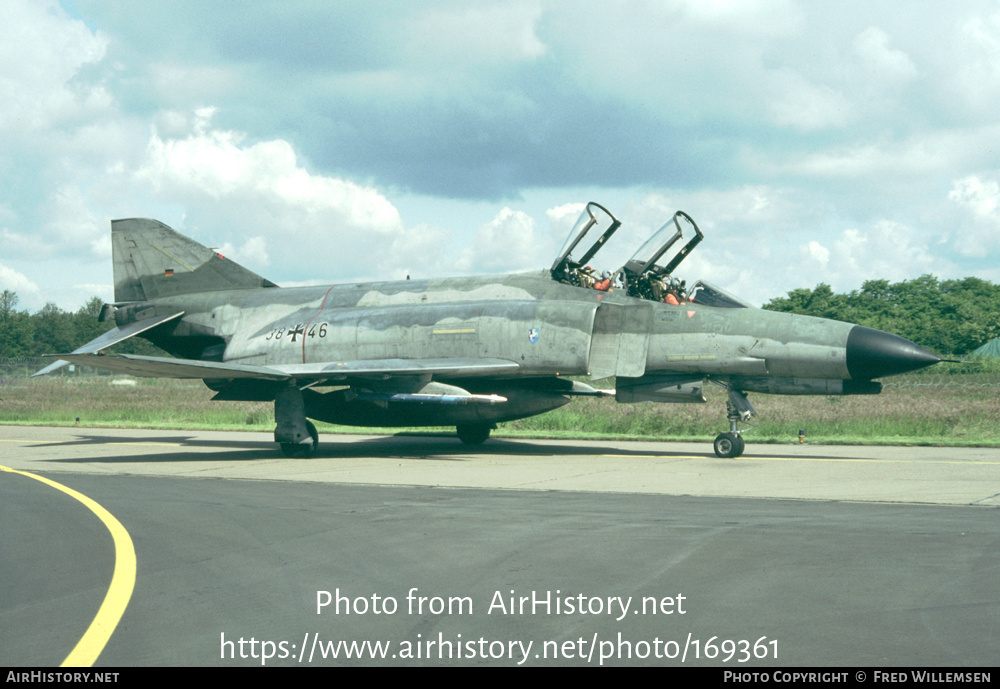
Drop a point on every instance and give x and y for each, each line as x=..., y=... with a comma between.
x=532, y=335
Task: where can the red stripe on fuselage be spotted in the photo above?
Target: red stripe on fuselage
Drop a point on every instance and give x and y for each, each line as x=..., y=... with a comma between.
x=304, y=335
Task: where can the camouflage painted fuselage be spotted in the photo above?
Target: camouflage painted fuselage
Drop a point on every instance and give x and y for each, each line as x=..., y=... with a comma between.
x=548, y=329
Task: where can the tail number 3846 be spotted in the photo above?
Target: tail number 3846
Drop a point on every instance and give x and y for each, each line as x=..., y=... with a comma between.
x=297, y=331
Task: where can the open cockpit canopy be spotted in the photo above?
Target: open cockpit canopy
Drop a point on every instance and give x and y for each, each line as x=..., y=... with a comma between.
x=590, y=232
x=649, y=273
x=650, y=255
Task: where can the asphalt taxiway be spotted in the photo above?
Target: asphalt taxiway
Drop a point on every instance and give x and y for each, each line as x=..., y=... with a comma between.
x=835, y=555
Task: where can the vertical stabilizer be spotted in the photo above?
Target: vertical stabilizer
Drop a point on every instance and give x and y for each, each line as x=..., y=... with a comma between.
x=152, y=260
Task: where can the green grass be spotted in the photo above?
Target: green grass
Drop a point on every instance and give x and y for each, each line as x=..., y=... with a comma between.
x=958, y=411
x=950, y=416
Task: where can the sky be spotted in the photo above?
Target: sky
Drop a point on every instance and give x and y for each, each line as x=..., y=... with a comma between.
x=324, y=142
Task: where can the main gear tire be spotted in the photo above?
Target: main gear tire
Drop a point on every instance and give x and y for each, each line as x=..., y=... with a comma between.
x=473, y=434
x=300, y=450
x=729, y=445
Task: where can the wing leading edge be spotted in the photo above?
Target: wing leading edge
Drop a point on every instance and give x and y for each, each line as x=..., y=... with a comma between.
x=161, y=367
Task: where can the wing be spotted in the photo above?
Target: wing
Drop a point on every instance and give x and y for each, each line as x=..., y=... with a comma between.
x=163, y=367
x=379, y=369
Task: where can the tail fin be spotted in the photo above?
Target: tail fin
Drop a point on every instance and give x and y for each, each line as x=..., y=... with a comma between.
x=151, y=260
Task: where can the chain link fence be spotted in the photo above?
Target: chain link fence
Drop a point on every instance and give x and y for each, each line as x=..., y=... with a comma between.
x=20, y=367
x=945, y=380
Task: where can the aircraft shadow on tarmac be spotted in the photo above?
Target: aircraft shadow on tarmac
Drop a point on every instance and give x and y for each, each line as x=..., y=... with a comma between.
x=399, y=446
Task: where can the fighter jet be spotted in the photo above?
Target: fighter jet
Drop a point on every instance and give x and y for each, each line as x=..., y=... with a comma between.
x=473, y=352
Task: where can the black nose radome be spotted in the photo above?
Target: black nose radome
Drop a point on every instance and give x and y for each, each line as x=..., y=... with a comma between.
x=872, y=354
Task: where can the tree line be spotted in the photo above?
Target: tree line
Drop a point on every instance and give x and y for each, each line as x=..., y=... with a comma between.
x=949, y=317
x=54, y=331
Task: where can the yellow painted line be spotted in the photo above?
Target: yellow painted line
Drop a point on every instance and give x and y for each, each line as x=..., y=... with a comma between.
x=119, y=593
x=455, y=331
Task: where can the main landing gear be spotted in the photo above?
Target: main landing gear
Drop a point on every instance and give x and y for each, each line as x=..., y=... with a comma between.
x=738, y=410
x=474, y=433
x=296, y=435
x=303, y=449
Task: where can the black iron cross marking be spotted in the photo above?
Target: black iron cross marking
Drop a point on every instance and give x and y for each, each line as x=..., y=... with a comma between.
x=297, y=330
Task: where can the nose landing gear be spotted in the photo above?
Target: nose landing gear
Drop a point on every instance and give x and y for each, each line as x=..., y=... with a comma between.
x=738, y=410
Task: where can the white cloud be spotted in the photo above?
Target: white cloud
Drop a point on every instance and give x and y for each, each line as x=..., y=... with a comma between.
x=218, y=164
x=73, y=227
x=15, y=243
x=797, y=103
x=422, y=251
x=14, y=281
x=887, y=65
x=752, y=17
x=41, y=51
x=561, y=219
x=480, y=33
x=895, y=166
x=980, y=199
x=507, y=243
x=258, y=197
x=176, y=83
x=817, y=252
x=252, y=251
x=565, y=213
x=977, y=79
x=884, y=250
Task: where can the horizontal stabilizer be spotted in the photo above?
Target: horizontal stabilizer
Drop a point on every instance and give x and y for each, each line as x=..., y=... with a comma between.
x=112, y=337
